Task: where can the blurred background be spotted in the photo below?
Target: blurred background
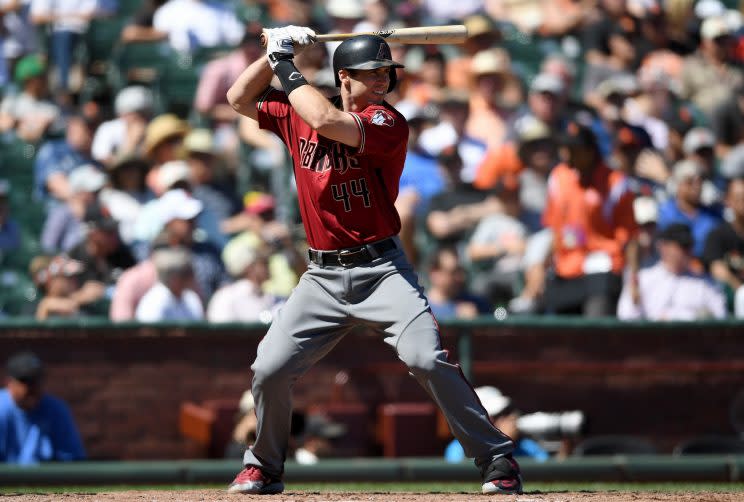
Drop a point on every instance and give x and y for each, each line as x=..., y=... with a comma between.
x=572, y=199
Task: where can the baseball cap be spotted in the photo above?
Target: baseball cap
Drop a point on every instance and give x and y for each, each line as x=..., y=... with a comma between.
x=709, y=8
x=622, y=85
x=172, y=172
x=28, y=67
x=490, y=61
x=345, y=9
x=714, y=27
x=98, y=216
x=199, y=141
x=25, y=367
x=258, y=202
x=178, y=205
x=685, y=169
x=529, y=128
x=478, y=24
x=645, y=210
x=492, y=400
x=86, y=178
x=677, y=232
x=238, y=255
x=697, y=138
x=135, y=98
x=547, y=82
x=633, y=136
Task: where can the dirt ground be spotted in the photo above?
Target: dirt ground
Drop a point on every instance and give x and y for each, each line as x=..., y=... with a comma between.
x=308, y=496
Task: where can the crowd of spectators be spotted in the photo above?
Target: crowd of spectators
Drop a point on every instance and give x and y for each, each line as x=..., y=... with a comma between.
x=570, y=157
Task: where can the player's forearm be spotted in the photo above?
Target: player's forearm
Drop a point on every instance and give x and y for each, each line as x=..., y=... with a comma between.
x=318, y=112
x=249, y=86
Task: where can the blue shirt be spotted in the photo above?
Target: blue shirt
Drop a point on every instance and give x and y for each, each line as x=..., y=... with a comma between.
x=422, y=174
x=54, y=156
x=524, y=447
x=46, y=433
x=701, y=223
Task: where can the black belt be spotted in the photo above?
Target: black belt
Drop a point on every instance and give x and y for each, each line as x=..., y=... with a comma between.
x=351, y=257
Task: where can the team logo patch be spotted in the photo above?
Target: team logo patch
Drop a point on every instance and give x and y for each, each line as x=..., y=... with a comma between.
x=381, y=117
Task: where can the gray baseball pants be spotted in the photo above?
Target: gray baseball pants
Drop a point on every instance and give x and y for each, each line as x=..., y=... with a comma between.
x=328, y=302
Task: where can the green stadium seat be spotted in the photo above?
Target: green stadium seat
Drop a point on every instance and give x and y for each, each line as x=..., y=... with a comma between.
x=177, y=84
x=138, y=63
x=100, y=40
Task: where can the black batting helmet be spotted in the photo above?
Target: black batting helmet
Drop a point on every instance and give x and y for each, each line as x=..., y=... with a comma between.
x=364, y=52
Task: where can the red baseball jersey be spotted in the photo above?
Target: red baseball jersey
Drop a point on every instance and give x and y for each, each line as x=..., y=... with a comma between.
x=346, y=194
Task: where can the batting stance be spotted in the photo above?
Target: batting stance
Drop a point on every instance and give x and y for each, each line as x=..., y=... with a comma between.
x=348, y=155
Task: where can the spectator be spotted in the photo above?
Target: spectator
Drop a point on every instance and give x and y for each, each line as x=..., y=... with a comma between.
x=177, y=211
x=34, y=426
x=58, y=157
x=68, y=21
x=687, y=207
x=314, y=441
x=724, y=247
x=10, y=232
x=546, y=103
x=64, y=227
x=219, y=199
x=670, y=290
x=708, y=76
x=192, y=24
x=103, y=255
x=163, y=143
x=140, y=28
x=493, y=86
x=61, y=292
x=497, y=247
x=123, y=136
x=504, y=416
x=590, y=214
x=244, y=430
x=699, y=145
x=244, y=300
x=19, y=37
x=28, y=114
x=127, y=193
x=447, y=293
x=482, y=35
x=172, y=298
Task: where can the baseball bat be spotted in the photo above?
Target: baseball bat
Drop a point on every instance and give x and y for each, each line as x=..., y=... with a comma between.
x=449, y=34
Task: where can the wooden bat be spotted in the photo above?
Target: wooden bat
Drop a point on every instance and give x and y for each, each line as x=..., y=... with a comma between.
x=449, y=34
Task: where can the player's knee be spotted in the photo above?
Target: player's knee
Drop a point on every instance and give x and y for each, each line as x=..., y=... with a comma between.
x=419, y=362
x=269, y=376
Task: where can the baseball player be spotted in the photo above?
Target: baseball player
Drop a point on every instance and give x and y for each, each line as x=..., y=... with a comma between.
x=348, y=154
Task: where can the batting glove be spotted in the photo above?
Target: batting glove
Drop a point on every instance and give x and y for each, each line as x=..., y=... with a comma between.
x=281, y=42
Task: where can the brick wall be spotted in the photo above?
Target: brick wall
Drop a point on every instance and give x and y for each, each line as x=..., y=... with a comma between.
x=125, y=384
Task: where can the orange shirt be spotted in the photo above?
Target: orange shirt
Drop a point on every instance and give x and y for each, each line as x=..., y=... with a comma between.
x=584, y=220
x=499, y=163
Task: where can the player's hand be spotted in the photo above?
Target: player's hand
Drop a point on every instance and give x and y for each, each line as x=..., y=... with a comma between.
x=281, y=42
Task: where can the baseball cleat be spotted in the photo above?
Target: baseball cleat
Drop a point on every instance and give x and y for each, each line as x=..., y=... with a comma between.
x=502, y=476
x=252, y=480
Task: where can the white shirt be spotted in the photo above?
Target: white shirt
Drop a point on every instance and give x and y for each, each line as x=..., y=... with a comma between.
x=241, y=301
x=20, y=36
x=109, y=137
x=67, y=13
x=669, y=297
x=159, y=304
x=193, y=23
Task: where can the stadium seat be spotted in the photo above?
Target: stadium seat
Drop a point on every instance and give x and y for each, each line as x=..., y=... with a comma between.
x=137, y=63
x=614, y=445
x=710, y=445
x=100, y=40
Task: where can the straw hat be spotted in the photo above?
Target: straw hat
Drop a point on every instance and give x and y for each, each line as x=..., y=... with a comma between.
x=162, y=128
